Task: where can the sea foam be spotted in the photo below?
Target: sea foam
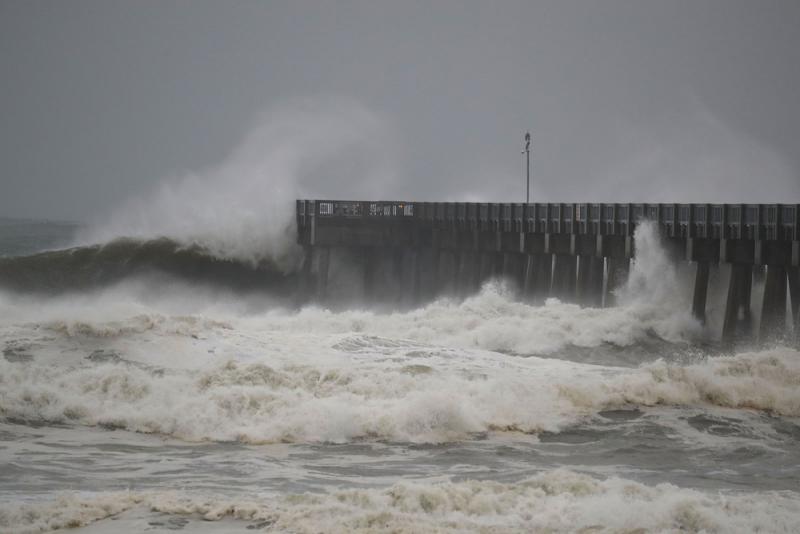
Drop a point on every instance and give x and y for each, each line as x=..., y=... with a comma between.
x=243, y=208
x=443, y=372
x=553, y=501
x=361, y=388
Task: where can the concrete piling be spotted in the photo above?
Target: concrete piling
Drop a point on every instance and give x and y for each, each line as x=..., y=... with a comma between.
x=409, y=285
x=736, y=323
x=468, y=279
x=427, y=267
x=514, y=270
x=486, y=266
x=530, y=277
x=617, y=269
x=498, y=262
x=794, y=298
x=370, y=264
x=543, y=275
x=323, y=263
x=307, y=282
x=700, y=293
x=447, y=273
x=773, y=309
x=590, y=280
x=564, y=278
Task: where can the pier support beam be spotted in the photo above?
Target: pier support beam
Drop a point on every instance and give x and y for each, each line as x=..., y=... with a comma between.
x=529, y=277
x=759, y=274
x=486, y=267
x=398, y=267
x=468, y=278
x=737, y=322
x=323, y=262
x=427, y=265
x=447, y=273
x=370, y=260
x=700, y=291
x=564, y=277
x=430, y=272
x=617, y=274
x=514, y=270
x=498, y=261
x=306, y=281
x=590, y=280
x=409, y=278
x=773, y=309
x=541, y=275
x=794, y=295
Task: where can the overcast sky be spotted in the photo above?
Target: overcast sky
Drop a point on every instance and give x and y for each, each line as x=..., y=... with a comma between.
x=626, y=100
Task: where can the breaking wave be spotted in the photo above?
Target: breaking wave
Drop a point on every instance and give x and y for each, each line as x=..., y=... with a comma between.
x=364, y=388
x=553, y=501
x=243, y=208
x=100, y=266
x=201, y=369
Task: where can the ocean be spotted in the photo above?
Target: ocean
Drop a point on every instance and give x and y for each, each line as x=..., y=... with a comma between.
x=150, y=385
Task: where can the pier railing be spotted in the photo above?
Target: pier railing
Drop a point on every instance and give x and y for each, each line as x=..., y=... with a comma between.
x=717, y=221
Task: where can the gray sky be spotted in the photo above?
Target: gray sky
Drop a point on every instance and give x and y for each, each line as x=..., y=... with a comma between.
x=627, y=100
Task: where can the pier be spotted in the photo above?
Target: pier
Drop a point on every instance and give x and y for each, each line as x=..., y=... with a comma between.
x=410, y=251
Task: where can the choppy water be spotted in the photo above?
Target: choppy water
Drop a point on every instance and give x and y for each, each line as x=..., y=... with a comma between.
x=19, y=237
x=165, y=404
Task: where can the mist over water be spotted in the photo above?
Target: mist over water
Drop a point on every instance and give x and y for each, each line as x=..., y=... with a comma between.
x=243, y=209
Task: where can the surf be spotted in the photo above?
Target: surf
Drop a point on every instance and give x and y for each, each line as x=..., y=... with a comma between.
x=103, y=265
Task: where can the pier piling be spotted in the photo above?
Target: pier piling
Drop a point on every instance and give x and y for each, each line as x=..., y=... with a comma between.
x=577, y=252
x=773, y=310
x=700, y=293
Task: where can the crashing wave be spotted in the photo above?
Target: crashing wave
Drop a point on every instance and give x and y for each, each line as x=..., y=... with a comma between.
x=103, y=265
x=344, y=398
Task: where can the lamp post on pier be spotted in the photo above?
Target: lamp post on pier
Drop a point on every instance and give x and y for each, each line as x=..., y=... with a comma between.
x=527, y=153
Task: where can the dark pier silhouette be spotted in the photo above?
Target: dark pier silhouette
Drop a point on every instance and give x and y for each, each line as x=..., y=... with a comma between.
x=410, y=251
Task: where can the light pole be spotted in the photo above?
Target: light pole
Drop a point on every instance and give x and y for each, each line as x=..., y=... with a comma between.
x=527, y=153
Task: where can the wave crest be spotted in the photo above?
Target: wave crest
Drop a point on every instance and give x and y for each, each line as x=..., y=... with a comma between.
x=103, y=265
x=376, y=397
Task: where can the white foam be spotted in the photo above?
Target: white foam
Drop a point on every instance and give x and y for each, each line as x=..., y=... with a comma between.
x=554, y=501
x=244, y=208
x=69, y=510
x=278, y=378
x=652, y=304
x=432, y=374
x=767, y=380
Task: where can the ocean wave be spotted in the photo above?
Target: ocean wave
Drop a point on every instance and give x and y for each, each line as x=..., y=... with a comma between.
x=553, y=501
x=653, y=305
x=103, y=265
x=165, y=325
x=243, y=208
x=417, y=397
x=767, y=381
x=494, y=320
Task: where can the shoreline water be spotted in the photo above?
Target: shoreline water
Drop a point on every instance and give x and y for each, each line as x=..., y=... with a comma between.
x=166, y=405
